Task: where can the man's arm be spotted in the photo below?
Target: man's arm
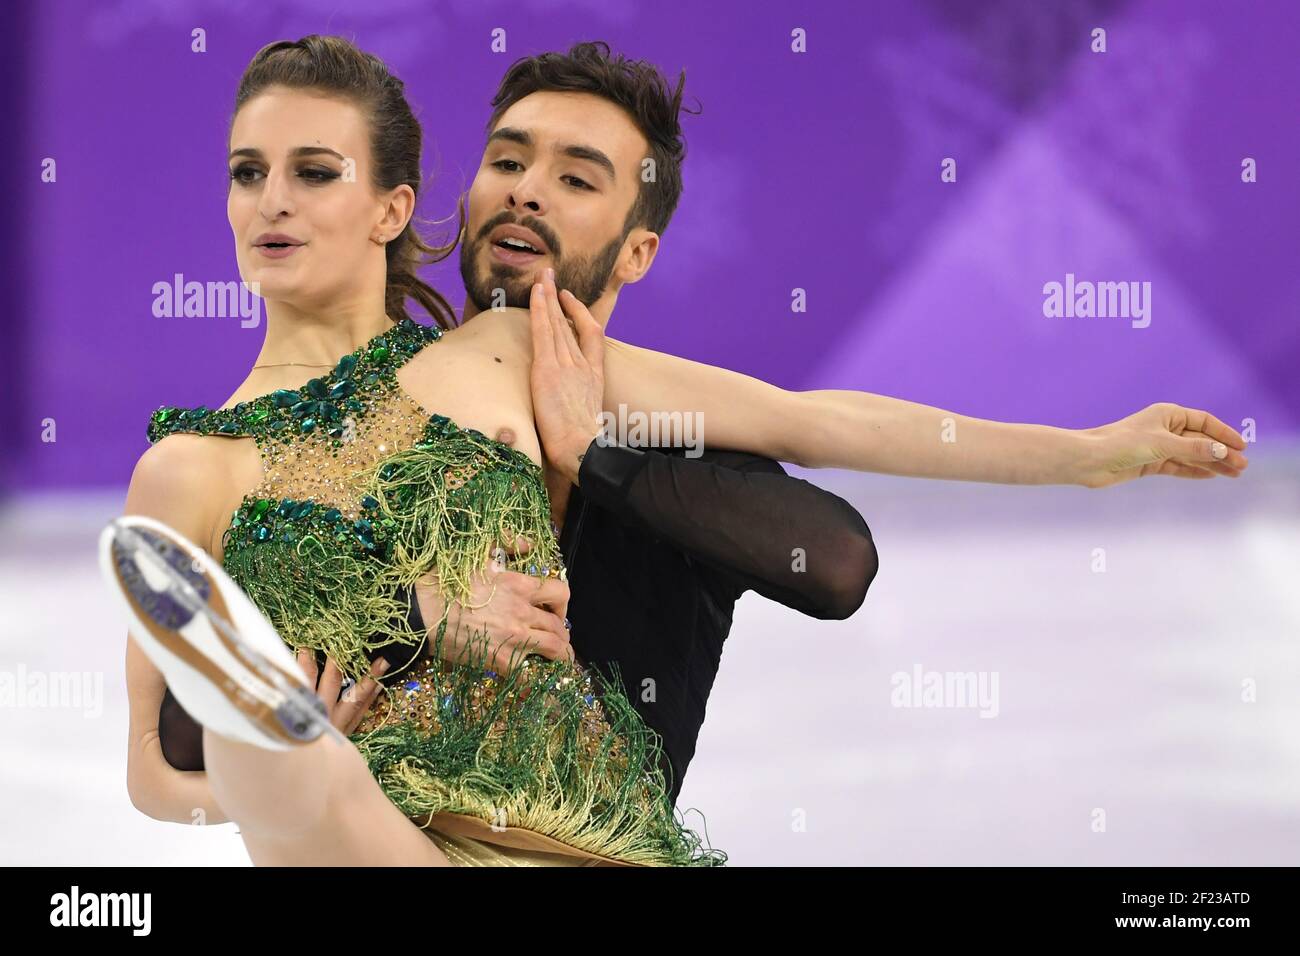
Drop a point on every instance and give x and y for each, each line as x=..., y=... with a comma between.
x=782, y=537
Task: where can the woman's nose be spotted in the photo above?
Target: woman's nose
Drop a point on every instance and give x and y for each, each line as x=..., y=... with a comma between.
x=276, y=199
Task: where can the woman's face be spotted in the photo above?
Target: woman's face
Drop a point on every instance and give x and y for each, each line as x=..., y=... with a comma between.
x=300, y=205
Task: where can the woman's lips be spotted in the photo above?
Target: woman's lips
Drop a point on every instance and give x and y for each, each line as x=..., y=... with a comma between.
x=278, y=252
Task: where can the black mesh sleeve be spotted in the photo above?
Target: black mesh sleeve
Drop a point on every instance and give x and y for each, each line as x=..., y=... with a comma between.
x=742, y=515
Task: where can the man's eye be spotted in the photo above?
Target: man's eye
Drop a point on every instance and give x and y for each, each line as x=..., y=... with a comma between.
x=578, y=183
x=244, y=174
x=506, y=165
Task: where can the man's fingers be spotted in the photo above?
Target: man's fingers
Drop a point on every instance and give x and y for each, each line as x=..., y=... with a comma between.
x=540, y=620
x=591, y=337
x=554, y=594
x=549, y=646
x=508, y=655
x=566, y=349
x=517, y=583
x=535, y=590
x=520, y=545
x=572, y=338
x=566, y=328
x=540, y=320
x=499, y=552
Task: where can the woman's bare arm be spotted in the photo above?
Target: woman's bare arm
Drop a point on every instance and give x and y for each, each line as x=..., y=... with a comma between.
x=867, y=432
x=836, y=429
x=174, y=482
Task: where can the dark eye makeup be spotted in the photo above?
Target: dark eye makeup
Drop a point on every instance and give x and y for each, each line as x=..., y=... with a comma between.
x=246, y=173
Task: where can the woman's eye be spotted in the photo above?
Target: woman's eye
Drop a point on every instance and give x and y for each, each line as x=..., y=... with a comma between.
x=318, y=175
x=244, y=174
x=578, y=183
x=506, y=165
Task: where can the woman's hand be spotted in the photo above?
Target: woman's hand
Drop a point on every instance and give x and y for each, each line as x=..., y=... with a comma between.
x=1162, y=439
x=344, y=713
x=506, y=617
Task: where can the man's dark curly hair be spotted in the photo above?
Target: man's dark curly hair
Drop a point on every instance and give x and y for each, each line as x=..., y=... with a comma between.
x=635, y=85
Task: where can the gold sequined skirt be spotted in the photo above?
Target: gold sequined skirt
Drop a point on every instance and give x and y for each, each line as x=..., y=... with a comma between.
x=466, y=851
x=469, y=841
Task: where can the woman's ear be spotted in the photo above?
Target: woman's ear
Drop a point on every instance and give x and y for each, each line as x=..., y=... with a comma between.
x=639, y=252
x=397, y=209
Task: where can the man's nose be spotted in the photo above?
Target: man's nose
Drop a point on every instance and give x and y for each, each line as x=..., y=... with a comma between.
x=276, y=199
x=527, y=194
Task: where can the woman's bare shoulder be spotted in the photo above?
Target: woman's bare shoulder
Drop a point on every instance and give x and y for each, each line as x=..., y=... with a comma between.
x=503, y=328
x=179, y=480
x=189, y=452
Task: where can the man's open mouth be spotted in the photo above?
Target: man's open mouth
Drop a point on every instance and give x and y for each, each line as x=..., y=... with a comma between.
x=517, y=245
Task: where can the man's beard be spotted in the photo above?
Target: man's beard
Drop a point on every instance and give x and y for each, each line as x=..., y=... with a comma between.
x=585, y=276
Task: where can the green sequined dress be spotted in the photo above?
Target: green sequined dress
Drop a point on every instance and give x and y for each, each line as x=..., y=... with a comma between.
x=365, y=493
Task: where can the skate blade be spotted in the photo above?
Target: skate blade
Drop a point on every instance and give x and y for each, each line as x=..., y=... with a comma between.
x=166, y=589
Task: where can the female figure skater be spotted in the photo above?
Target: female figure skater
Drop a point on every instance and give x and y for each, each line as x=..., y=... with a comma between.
x=329, y=501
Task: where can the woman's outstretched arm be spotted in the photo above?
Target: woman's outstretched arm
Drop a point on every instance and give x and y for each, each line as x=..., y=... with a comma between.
x=837, y=429
x=866, y=432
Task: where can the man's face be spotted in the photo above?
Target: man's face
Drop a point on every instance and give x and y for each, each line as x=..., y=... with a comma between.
x=560, y=174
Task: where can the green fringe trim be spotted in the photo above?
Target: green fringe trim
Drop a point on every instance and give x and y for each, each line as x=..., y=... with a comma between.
x=531, y=759
x=528, y=763
x=345, y=602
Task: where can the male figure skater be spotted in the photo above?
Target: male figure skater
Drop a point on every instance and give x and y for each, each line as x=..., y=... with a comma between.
x=659, y=544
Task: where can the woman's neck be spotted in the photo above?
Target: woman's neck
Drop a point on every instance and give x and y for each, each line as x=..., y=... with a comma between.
x=316, y=338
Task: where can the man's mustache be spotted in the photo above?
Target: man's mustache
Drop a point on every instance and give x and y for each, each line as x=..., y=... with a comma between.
x=543, y=231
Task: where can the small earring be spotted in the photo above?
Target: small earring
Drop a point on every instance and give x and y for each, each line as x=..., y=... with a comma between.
x=378, y=240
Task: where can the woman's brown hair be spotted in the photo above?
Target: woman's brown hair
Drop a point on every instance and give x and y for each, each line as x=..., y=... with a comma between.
x=337, y=66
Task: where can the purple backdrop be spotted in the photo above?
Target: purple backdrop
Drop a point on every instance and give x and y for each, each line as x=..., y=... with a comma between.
x=816, y=170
